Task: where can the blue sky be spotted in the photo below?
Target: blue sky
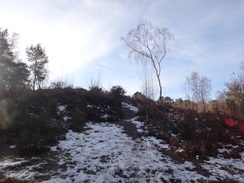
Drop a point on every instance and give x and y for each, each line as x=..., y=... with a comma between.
x=82, y=38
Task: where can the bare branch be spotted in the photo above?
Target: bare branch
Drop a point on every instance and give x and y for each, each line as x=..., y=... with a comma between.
x=149, y=43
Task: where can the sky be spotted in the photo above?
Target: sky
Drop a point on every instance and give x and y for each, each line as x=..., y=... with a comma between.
x=82, y=39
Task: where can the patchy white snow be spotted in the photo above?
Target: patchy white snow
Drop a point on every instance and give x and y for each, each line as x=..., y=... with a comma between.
x=234, y=163
x=103, y=153
x=129, y=106
x=105, y=116
x=12, y=146
x=15, y=172
x=89, y=106
x=66, y=118
x=62, y=107
x=139, y=125
x=11, y=163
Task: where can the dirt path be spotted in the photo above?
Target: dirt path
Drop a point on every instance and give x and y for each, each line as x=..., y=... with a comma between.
x=129, y=128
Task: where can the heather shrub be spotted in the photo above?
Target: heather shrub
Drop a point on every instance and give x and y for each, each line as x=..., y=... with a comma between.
x=117, y=92
x=78, y=120
x=197, y=133
x=203, y=132
x=102, y=103
x=34, y=121
x=96, y=96
x=32, y=132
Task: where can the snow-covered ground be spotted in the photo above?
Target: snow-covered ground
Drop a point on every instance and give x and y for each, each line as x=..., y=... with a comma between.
x=104, y=153
x=131, y=107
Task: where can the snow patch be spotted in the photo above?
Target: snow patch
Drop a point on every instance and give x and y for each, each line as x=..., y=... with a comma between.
x=12, y=146
x=89, y=106
x=105, y=116
x=105, y=154
x=139, y=125
x=11, y=163
x=131, y=107
x=62, y=108
x=66, y=118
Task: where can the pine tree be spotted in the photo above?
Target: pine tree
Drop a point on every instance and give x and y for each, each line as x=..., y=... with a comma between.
x=6, y=58
x=20, y=76
x=38, y=58
x=14, y=74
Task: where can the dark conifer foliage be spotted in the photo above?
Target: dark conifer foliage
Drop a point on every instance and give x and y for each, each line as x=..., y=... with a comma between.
x=37, y=57
x=14, y=74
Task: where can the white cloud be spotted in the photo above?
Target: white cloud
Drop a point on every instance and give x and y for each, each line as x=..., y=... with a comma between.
x=83, y=34
x=79, y=33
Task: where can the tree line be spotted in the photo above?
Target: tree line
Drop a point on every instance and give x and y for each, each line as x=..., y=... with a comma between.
x=16, y=75
x=198, y=91
x=147, y=44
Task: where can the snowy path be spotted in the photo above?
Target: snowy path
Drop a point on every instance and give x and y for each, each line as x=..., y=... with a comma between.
x=104, y=153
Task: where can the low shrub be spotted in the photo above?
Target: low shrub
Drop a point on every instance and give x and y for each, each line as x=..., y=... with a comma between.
x=36, y=131
x=27, y=129
x=34, y=121
x=78, y=120
x=102, y=103
x=198, y=133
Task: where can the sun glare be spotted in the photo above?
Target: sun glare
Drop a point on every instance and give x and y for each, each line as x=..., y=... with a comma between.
x=6, y=114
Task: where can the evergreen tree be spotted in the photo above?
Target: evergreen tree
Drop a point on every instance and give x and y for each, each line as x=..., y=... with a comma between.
x=20, y=76
x=6, y=58
x=38, y=58
x=14, y=74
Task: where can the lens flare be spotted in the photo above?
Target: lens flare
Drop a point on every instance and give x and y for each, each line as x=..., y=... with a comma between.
x=6, y=114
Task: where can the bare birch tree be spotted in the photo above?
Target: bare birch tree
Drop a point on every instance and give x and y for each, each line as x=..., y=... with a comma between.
x=198, y=90
x=205, y=89
x=234, y=93
x=147, y=89
x=192, y=86
x=148, y=43
x=147, y=85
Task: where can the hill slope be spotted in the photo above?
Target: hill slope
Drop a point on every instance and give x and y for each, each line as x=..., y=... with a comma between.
x=104, y=152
